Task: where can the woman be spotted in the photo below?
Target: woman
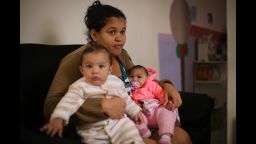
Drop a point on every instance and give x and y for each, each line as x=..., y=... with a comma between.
x=106, y=26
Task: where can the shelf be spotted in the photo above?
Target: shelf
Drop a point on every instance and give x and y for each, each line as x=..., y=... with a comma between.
x=210, y=62
x=208, y=81
x=211, y=72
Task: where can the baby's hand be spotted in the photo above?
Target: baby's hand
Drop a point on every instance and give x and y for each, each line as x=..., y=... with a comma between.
x=138, y=118
x=53, y=127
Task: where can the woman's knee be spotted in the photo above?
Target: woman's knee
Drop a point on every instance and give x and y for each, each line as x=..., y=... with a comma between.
x=180, y=136
x=149, y=141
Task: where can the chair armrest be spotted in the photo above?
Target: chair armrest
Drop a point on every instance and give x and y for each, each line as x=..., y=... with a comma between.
x=195, y=115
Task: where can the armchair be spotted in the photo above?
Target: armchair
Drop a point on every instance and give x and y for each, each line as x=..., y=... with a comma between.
x=38, y=64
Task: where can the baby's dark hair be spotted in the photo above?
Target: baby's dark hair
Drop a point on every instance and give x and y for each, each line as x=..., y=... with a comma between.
x=97, y=15
x=138, y=67
x=94, y=48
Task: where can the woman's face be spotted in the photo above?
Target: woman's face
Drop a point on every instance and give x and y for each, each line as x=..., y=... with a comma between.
x=112, y=35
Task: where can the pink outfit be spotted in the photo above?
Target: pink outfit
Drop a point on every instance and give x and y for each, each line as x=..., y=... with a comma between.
x=149, y=90
x=151, y=95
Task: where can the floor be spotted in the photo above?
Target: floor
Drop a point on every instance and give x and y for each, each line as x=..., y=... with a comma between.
x=219, y=126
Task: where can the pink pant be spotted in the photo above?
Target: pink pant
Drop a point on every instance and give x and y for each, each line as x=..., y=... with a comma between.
x=161, y=118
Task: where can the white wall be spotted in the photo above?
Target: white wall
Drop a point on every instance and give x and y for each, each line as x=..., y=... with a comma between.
x=231, y=105
x=61, y=22
x=218, y=10
x=52, y=21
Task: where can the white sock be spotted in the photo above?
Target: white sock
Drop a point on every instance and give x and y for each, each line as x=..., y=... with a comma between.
x=165, y=138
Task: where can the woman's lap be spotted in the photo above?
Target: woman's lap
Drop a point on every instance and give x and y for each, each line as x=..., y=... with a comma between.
x=180, y=137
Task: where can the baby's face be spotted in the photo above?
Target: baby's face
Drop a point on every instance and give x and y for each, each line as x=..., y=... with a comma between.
x=96, y=68
x=138, y=75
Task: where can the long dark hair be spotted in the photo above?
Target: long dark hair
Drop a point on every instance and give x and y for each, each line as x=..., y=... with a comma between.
x=97, y=15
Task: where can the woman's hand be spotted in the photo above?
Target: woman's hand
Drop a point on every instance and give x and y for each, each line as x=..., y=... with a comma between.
x=138, y=118
x=174, y=99
x=114, y=107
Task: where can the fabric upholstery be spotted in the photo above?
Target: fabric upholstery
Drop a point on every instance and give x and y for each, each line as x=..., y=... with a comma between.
x=38, y=64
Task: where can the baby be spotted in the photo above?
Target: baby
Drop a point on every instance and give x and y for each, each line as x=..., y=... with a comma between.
x=97, y=82
x=151, y=97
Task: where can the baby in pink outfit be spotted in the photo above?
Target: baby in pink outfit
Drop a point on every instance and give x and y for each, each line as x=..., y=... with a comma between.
x=150, y=96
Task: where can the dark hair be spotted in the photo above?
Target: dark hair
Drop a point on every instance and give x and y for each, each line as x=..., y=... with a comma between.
x=138, y=67
x=95, y=48
x=97, y=15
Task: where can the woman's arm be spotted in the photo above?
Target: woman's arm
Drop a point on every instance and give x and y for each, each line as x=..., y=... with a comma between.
x=174, y=97
x=175, y=100
x=114, y=107
x=67, y=73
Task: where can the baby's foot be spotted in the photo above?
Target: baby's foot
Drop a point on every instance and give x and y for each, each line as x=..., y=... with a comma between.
x=165, y=139
x=145, y=133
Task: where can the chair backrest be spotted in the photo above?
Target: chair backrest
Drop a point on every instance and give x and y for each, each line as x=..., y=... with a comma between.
x=38, y=64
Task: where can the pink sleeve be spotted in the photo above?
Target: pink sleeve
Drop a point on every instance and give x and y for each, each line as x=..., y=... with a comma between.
x=136, y=96
x=157, y=91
